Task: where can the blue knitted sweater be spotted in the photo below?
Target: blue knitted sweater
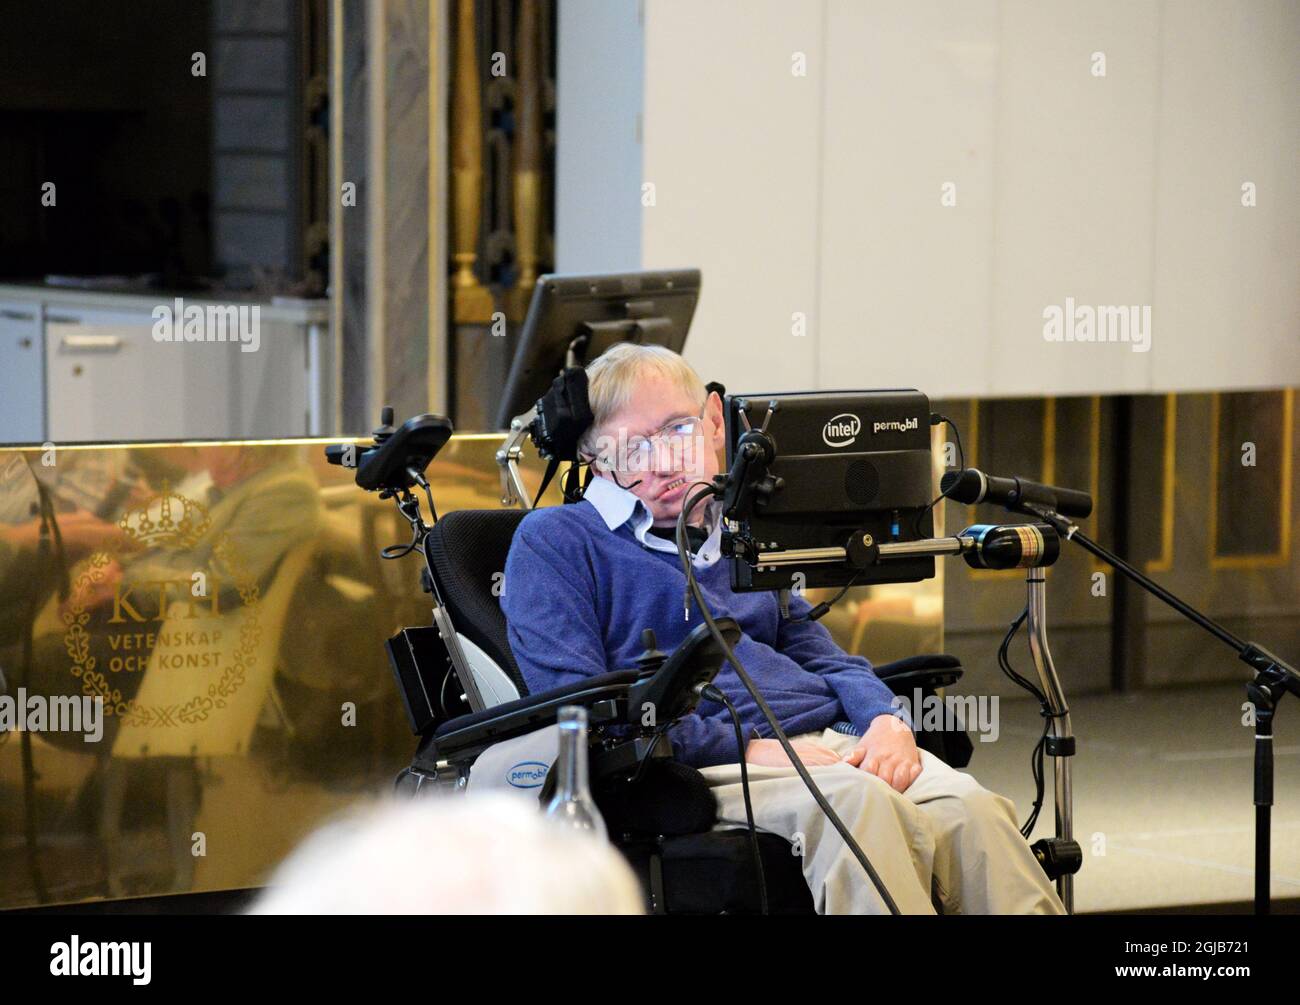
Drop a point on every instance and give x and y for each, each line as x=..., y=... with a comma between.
x=577, y=596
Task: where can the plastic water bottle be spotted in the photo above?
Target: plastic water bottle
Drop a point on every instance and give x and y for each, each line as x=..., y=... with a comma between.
x=572, y=805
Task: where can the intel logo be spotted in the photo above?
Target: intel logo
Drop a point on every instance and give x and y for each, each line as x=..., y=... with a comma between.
x=527, y=774
x=841, y=430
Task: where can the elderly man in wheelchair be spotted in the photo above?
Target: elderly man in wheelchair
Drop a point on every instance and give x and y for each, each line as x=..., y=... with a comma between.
x=591, y=591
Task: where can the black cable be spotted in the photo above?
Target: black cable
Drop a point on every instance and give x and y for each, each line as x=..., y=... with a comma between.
x=405, y=503
x=693, y=587
x=570, y=489
x=935, y=419
x=820, y=611
x=433, y=511
x=1037, y=754
x=716, y=693
x=648, y=756
x=1040, y=782
x=614, y=476
x=391, y=551
x=1004, y=660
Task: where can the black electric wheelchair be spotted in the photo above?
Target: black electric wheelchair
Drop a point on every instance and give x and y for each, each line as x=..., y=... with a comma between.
x=463, y=694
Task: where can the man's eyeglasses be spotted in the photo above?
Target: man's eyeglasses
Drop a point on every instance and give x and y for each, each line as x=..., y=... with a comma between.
x=637, y=453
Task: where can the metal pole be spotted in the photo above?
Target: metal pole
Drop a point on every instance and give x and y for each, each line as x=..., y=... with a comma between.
x=1061, y=736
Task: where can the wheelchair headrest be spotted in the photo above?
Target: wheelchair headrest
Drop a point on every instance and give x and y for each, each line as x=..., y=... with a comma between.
x=563, y=415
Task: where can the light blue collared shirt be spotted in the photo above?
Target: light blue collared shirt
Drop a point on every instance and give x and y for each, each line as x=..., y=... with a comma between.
x=618, y=506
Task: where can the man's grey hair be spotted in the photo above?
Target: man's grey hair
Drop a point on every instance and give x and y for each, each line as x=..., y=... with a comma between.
x=452, y=854
x=613, y=375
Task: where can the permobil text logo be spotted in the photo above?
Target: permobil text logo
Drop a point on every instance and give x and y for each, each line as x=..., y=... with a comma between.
x=897, y=426
x=527, y=774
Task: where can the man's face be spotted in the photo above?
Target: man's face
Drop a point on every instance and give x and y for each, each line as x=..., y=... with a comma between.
x=663, y=479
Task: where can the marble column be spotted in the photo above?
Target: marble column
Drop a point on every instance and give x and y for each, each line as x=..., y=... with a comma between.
x=390, y=247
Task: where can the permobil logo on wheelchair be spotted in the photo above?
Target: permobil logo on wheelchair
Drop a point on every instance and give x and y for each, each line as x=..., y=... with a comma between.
x=527, y=774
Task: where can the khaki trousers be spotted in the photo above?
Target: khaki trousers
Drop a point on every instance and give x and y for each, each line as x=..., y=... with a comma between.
x=946, y=836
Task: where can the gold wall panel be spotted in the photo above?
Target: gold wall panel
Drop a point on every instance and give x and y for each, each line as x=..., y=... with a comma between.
x=228, y=603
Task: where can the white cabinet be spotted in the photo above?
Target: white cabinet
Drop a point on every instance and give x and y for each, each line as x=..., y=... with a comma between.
x=108, y=380
x=22, y=377
x=81, y=367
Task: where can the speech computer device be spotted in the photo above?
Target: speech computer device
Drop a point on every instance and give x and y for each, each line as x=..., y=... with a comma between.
x=826, y=478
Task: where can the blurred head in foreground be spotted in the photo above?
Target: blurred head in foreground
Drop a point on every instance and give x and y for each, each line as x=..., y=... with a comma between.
x=451, y=855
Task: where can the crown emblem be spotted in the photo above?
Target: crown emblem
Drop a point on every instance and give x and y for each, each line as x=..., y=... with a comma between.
x=167, y=518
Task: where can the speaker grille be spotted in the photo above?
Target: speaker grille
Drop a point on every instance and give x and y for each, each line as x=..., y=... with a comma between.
x=861, y=482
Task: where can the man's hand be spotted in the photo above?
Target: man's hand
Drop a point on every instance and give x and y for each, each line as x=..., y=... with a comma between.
x=888, y=751
x=770, y=754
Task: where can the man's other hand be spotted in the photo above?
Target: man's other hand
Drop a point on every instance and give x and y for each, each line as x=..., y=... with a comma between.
x=770, y=754
x=888, y=751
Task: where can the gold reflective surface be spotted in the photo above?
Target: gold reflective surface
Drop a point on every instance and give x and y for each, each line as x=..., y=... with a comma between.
x=228, y=604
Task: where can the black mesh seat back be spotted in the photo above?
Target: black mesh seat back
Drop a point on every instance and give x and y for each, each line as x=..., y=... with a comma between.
x=467, y=549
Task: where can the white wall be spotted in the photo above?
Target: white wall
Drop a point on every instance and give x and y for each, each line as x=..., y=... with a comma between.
x=1227, y=279
x=600, y=53
x=821, y=194
x=731, y=146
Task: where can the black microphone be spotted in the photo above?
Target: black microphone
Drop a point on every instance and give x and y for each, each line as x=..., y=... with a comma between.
x=971, y=485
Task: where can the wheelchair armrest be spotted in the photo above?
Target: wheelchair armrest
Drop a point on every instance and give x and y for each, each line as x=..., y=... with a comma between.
x=927, y=671
x=470, y=734
x=670, y=690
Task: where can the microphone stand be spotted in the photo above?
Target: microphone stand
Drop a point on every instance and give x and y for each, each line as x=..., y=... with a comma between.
x=1060, y=856
x=1274, y=677
x=1063, y=855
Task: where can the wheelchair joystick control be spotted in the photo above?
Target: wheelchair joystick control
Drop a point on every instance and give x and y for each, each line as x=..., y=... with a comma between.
x=385, y=429
x=653, y=657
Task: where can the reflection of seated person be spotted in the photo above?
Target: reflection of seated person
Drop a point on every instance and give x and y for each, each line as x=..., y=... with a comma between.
x=84, y=490
x=259, y=502
x=583, y=581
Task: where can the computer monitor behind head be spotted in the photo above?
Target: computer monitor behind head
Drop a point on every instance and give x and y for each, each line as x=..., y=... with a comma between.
x=848, y=463
x=588, y=314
